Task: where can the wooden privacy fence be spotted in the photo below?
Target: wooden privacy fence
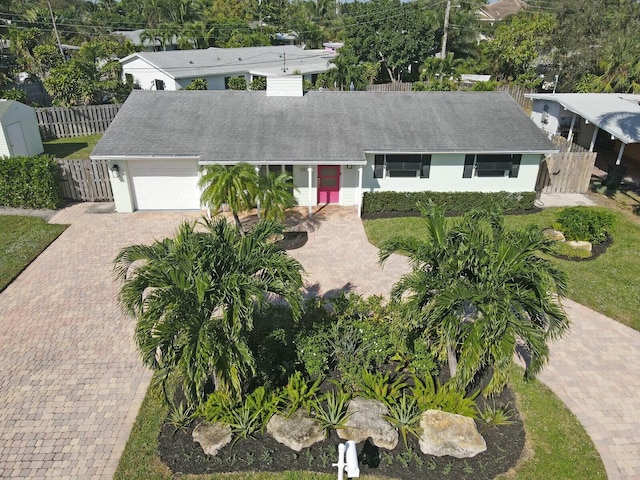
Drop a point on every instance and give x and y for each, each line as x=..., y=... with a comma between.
x=566, y=172
x=390, y=87
x=59, y=122
x=517, y=93
x=564, y=145
x=85, y=180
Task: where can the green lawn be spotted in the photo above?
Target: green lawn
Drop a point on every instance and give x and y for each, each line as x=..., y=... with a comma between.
x=556, y=443
x=607, y=284
x=22, y=239
x=74, y=148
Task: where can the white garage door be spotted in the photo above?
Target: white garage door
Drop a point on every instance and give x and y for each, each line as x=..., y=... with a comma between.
x=165, y=184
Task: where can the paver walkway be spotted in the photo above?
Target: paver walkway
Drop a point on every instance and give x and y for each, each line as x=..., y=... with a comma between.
x=71, y=381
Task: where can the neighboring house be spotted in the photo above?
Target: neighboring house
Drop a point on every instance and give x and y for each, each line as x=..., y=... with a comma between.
x=177, y=69
x=500, y=10
x=336, y=145
x=607, y=120
x=148, y=45
x=19, y=135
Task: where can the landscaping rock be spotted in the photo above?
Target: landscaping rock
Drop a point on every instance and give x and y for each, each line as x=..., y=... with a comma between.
x=366, y=420
x=554, y=234
x=449, y=434
x=212, y=436
x=297, y=431
x=581, y=245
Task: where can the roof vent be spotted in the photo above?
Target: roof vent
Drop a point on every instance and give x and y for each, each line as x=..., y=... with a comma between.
x=287, y=86
x=190, y=62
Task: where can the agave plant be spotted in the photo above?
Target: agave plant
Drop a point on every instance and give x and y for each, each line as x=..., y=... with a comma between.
x=405, y=416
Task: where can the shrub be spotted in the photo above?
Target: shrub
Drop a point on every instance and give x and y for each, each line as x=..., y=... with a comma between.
x=585, y=223
x=237, y=83
x=380, y=386
x=14, y=94
x=299, y=393
x=452, y=202
x=258, y=83
x=29, y=182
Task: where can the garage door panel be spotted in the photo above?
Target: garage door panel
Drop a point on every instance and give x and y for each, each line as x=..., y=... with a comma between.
x=165, y=184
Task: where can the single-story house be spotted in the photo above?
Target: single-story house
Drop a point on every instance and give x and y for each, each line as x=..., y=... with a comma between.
x=336, y=145
x=611, y=120
x=176, y=69
x=19, y=135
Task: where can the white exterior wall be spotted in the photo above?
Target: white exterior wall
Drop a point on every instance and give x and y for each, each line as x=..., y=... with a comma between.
x=349, y=185
x=120, y=185
x=446, y=176
x=214, y=82
x=26, y=117
x=145, y=74
x=553, y=118
x=300, y=180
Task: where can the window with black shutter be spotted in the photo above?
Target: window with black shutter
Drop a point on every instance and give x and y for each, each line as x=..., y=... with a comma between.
x=515, y=166
x=426, y=166
x=469, y=160
x=378, y=168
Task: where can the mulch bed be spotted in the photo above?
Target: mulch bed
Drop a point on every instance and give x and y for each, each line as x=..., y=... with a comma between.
x=596, y=250
x=293, y=240
x=504, y=447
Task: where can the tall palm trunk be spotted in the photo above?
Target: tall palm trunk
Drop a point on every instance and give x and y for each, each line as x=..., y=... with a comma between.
x=452, y=360
x=238, y=223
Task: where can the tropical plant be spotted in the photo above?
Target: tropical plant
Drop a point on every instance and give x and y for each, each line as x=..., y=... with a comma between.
x=585, y=223
x=493, y=416
x=258, y=83
x=198, y=84
x=431, y=395
x=334, y=414
x=237, y=83
x=405, y=416
x=275, y=192
x=478, y=292
x=232, y=185
x=299, y=392
x=193, y=298
x=380, y=386
x=180, y=416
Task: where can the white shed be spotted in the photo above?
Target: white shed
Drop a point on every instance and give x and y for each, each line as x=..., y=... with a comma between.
x=19, y=135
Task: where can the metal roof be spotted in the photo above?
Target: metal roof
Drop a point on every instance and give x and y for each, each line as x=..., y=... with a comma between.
x=616, y=113
x=327, y=127
x=228, y=61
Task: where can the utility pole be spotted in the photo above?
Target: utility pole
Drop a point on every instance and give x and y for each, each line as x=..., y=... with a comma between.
x=55, y=29
x=443, y=53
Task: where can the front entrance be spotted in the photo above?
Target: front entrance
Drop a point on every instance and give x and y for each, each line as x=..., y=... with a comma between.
x=328, y=184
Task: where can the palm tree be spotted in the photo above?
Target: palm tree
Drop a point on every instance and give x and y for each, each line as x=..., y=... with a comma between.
x=234, y=185
x=193, y=298
x=479, y=291
x=276, y=195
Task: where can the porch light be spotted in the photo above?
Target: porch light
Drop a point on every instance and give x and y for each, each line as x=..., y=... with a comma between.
x=349, y=167
x=115, y=169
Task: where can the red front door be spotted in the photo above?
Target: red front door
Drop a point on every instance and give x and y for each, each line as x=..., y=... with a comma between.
x=328, y=183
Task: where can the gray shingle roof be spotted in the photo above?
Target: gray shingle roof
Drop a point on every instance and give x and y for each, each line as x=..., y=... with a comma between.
x=226, y=61
x=229, y=126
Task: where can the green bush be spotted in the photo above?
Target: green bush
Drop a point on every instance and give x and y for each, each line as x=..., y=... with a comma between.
x=29, y=182
x=452, y=202
x=585, y=223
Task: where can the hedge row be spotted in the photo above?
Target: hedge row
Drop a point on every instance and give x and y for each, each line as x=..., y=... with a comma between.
x=456, y=202
x=29, y=182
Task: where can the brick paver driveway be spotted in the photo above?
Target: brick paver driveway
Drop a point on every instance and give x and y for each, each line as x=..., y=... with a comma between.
x=71, y=381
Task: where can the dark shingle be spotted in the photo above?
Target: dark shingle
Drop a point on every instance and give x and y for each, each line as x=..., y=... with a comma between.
x=228, y=126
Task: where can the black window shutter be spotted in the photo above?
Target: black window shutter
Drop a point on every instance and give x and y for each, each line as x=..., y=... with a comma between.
x=515, y=166
x=468, y=166
x=426, y=166
x=378, y=168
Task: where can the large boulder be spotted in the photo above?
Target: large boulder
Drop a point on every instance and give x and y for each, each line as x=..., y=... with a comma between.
x=366, y=420
x=581, y=245
x=297, y=431
x=212, y=436
x=449, y=434
x=554, y=234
